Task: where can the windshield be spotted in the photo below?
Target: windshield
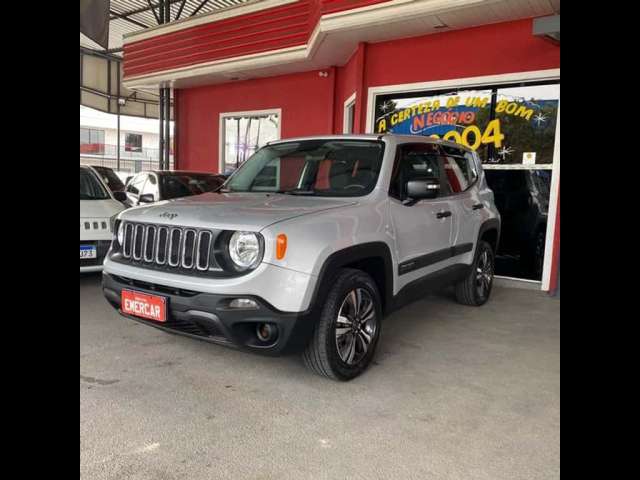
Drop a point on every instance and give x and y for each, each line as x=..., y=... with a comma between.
x=335, y=168
x=90, y=186
x=110, y=178
x=187, y=184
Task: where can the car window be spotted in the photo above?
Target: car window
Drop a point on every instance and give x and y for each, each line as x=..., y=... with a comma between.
x=111, y=179
x=414, y=161
x=136, y=184
x=323, y=167
x=151, y=186
x=184, y=184
x=90, y=186
x=459, y=169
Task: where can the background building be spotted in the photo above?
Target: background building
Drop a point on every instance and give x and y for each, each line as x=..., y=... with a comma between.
x=138, y=141
x=484, y=73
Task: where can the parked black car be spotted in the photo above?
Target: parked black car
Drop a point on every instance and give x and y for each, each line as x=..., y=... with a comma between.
x=156, y=185
x=522, y=198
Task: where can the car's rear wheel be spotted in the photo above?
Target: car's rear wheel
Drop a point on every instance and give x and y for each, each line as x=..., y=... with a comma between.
x=475, y=289
x=347, y=332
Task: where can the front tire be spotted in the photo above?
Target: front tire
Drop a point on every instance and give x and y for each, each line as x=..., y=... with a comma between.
x=475, y=289
x=347, y=332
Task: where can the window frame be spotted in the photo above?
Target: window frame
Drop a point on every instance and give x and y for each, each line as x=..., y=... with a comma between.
x=248, y=113
x=396, y=161
x=125, y=142
x=156, y=186
x=349, y=114
x=144, y=181
x=443, y=180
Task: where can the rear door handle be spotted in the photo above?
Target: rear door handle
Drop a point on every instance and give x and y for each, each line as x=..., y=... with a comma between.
x=478, y=206
x=443, y=214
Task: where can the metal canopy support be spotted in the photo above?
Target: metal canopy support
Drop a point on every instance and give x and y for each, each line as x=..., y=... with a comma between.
x=195, y=12
x=547, y=27
x=164, y=150
x=118, y=114
x=127, y=19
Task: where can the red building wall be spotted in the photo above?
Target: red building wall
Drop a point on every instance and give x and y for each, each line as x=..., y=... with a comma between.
x=312, y=104
x=305, y=100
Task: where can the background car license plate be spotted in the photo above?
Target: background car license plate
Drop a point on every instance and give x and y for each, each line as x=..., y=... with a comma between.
x=88, y=251
x=151, y=307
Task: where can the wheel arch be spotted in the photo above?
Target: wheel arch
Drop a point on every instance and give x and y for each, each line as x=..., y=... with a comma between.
x=374, y=258
x=490, y=232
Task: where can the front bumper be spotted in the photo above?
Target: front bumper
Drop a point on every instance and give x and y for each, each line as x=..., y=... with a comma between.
x=204, y=316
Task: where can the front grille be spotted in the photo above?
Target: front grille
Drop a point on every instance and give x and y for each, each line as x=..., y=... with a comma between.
x=102, y=247
x=172, y=248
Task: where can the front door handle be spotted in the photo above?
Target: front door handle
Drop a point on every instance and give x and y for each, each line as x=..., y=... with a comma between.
x=443, y=214
x=478, y=206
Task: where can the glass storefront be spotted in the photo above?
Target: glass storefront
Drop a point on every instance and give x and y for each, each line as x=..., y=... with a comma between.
x=512, y=128
x=245, y=134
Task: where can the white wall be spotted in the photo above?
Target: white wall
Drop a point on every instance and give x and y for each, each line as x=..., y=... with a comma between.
x=148, y=128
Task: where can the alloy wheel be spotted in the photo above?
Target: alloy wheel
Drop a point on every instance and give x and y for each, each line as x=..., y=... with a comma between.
x=484, y=274
x=356, y=326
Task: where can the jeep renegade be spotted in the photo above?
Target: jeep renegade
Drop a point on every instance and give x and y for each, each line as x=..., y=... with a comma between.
x=308, y=245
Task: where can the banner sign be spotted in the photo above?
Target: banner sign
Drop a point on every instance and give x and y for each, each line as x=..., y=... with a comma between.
x=469, y=118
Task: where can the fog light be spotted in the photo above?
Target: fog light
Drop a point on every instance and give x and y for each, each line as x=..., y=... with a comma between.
x=243, y=304
x=266, y=332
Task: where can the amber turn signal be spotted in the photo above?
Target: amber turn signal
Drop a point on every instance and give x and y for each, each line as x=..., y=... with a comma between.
x=281, y=246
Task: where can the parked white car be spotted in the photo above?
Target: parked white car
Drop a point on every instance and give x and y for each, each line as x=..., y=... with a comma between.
x=97, y=205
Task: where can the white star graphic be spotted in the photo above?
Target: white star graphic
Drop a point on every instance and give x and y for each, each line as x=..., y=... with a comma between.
x=540, y=118
x=385, y=106
x=504, y=151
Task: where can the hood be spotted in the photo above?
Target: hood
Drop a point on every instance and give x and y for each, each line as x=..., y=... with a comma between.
x=233, y=211
x=99, y=208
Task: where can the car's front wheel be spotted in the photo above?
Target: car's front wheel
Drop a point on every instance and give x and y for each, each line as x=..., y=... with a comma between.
x=476, y=286
x=347, y=332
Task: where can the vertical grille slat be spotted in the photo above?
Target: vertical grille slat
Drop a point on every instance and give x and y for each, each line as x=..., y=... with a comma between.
x=138, y=241
x=175, y=238
x=149, y=243
x=163, y=243
x=204, y=250
x=169, y=247
x=189, y=248
x=128, y=240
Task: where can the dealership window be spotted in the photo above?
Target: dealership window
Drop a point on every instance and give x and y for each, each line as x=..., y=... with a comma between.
x=133, y=142
x=512, y=129
x=527, y=117
x=242, y=133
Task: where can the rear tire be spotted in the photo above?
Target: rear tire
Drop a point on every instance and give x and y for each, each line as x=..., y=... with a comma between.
x=346, y=335
x=475, y=289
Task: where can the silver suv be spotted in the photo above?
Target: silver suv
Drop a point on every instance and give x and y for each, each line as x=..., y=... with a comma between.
x=308, y=245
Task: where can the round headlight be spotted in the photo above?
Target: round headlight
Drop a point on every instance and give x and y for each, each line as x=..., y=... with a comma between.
x=119, y=233
x=245, y=250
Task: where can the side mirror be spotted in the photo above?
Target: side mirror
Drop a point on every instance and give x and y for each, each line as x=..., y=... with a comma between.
x=421, y=188
x=146, y=198
x=120, y=196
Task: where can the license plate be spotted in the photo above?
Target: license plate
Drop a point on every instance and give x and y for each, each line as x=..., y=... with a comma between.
x=88, y=251
x=151, y=307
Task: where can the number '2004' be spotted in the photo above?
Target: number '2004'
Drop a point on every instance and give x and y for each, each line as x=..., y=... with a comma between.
x=491, y=134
